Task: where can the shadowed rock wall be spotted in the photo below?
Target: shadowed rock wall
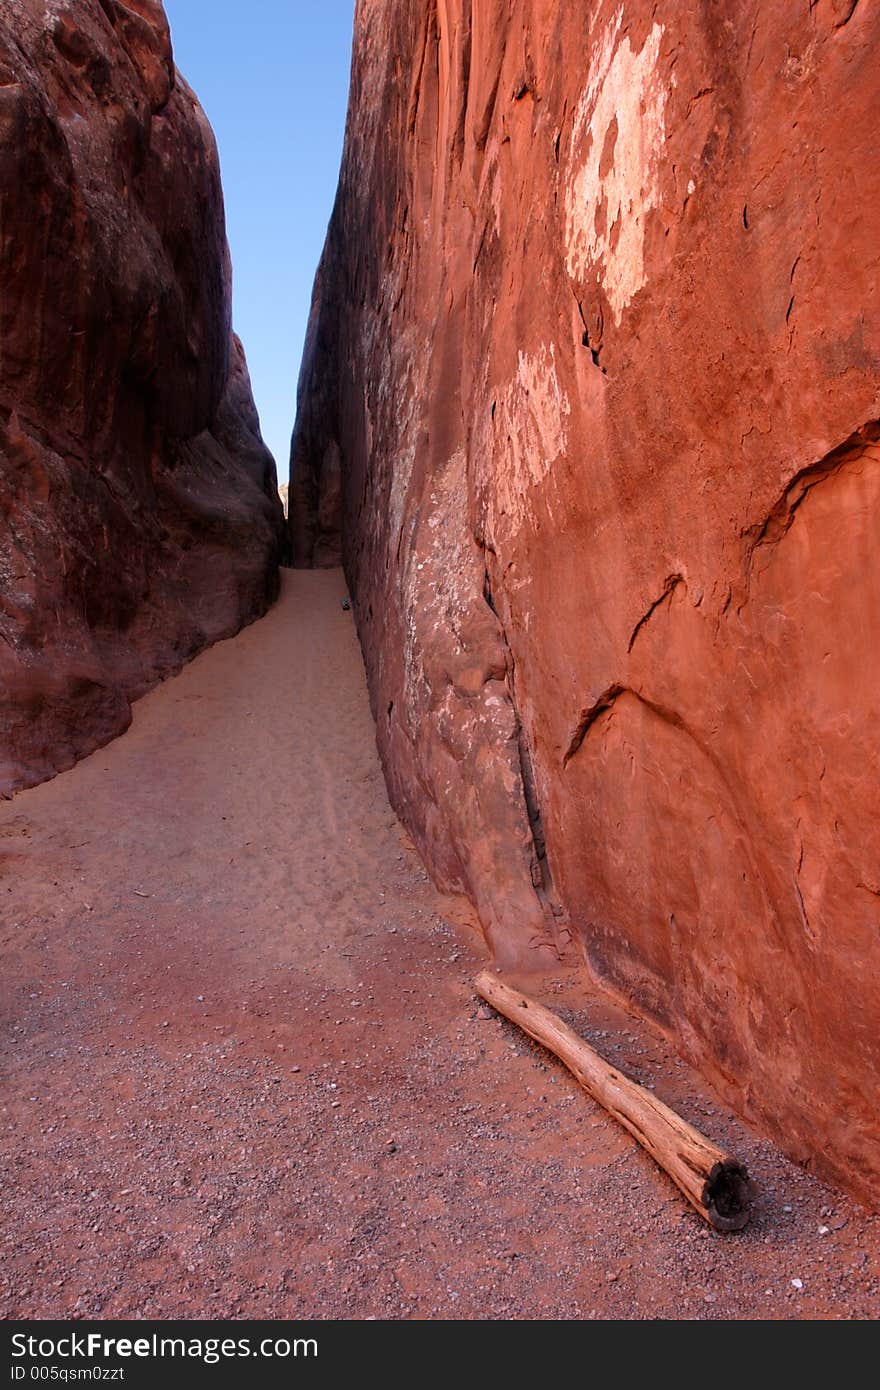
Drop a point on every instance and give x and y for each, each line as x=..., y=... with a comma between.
x=138, y=514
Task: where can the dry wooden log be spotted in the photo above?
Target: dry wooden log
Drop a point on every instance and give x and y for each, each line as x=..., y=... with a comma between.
x=714, y=1183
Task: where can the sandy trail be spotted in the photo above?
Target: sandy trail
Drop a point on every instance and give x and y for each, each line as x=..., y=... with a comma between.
x=245, y=1074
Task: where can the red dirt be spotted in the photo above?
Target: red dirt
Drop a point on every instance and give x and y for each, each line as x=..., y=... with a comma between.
x=247, y=1074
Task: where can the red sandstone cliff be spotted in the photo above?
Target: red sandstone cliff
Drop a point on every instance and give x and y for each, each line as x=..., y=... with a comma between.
x=590, y=403
x=138, y=514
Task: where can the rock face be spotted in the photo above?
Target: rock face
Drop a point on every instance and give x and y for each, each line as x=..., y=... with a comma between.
x=138, y=513
x=590, y=402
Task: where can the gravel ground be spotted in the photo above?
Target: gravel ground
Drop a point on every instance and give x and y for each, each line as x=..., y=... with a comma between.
x=247, y=1076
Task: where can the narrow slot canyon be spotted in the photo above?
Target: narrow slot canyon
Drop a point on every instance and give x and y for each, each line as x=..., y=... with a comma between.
x=560, y=659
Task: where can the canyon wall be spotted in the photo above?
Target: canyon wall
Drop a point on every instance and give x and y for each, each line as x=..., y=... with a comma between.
x=590, y=405
x=138, y=514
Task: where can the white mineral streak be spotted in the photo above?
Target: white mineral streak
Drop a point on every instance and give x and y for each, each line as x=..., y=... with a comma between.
x=605, y=212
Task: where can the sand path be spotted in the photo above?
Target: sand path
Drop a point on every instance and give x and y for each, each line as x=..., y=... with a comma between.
x=245, y=1075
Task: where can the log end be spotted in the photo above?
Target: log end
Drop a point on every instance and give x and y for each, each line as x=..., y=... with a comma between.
x=728, y=1195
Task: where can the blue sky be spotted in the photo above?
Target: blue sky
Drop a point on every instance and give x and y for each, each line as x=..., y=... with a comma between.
x=272, y=76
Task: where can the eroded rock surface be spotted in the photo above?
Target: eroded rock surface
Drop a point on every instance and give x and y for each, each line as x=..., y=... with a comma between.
x=590, y=403
x=139, y=516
